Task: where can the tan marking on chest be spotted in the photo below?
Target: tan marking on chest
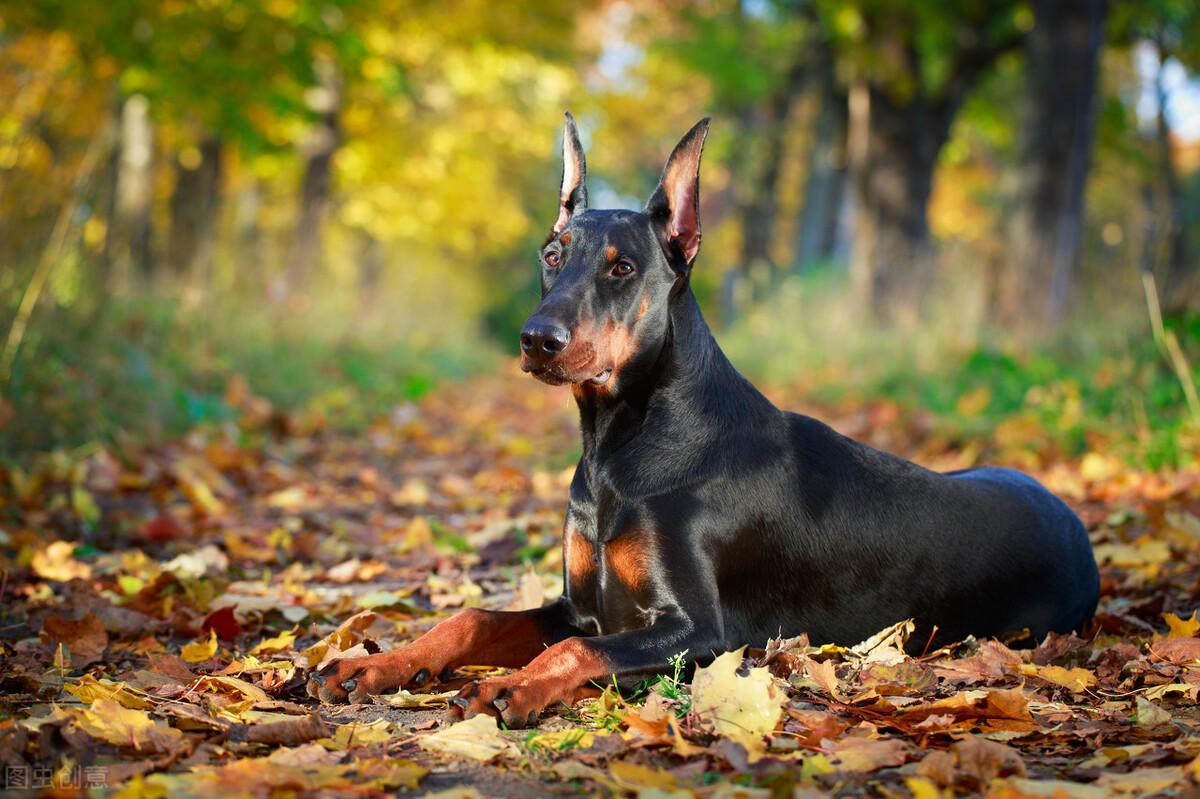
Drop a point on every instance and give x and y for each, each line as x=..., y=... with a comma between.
x=578, y=554
x=631, y=557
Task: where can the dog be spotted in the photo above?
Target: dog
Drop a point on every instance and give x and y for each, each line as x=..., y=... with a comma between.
x=703, y=518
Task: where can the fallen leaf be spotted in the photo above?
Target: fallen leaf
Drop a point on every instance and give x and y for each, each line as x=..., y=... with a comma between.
x=1141, y=782
x=986, y=760
x=56, y=561
x=85, y=638
x=113, y=723
x=1182, y=628
x=636, y=777
x=743, y=708
x=865, y=754
x=1076, y=680
x=200, y=650
x=223, y=623
x=1149, y=715
x=1177, y=650
x=477, y=738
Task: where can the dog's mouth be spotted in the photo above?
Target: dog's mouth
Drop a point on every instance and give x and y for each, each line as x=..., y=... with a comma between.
x=555, y=375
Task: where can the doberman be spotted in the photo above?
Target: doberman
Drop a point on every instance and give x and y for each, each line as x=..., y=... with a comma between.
x=702, y=518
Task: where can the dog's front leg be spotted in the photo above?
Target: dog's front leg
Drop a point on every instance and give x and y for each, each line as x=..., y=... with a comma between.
x=562, y=672
x=475, y=637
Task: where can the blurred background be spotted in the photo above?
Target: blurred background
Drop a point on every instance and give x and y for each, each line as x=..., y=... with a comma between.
x=986, y=209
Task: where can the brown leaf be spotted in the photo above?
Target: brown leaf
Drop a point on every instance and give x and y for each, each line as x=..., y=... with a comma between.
x=822, y=673
x=938, y=766
x=998, y=704
x=866, y=754
x=289, y=732
x=1177, y=650
x=86, y=638
x=986, y=760
x=174, y=667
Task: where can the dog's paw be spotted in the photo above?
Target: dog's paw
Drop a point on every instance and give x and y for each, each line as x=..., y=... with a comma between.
x=515, y=704
x=356, y=680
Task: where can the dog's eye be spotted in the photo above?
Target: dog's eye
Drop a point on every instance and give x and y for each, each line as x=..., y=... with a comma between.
x=552, y=260
x=622, y=269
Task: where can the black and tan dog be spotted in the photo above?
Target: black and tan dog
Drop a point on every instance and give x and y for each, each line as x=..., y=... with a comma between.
x=702, y=517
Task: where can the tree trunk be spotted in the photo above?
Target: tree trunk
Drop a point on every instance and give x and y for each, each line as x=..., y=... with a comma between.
x=322, y=143
x=127, y=240
x=1180, y=285
x=194, y=206
x=816, y=235
x=1055, y=150
x=894, y=148
x=759, y=210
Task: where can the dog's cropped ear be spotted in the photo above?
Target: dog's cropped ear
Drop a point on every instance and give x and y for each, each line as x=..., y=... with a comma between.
x=572, y=198
x=676, y=201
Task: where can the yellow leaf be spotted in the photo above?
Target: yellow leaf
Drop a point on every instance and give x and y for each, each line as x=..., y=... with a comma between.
x=741, y=708
x=276, y=644
x=561, y=740
x=633, y=776
x=403, y=698
x=356, y=734
x=232, y=686
x=924, y=789
x=477, y=738
x=57, y=562
x=1076, y=680
x=109, y=721
x=84, y=505
x=89, y=690
x=1182, y=628
x=201, y=495
x=200, y=650
x=288, y=498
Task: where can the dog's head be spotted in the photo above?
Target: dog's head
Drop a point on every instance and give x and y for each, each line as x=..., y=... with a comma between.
x=608, y=276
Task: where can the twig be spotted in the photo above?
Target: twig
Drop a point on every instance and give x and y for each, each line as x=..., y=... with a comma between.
x=50, y=257
x=1168, y=345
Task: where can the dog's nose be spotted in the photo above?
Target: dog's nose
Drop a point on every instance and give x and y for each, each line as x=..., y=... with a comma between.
x=543, y=339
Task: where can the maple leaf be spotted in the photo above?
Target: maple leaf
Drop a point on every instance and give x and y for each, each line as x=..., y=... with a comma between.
x=741, y=707
x=200, y=650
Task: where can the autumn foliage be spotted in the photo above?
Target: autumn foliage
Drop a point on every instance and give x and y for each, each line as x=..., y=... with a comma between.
x=162, y=605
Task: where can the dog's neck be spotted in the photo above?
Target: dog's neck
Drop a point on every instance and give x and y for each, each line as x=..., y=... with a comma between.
x=679, y=377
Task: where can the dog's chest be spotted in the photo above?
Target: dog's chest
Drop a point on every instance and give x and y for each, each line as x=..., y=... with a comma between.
x=612, y=576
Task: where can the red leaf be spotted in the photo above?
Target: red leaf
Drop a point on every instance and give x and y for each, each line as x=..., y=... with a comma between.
x=223, y=622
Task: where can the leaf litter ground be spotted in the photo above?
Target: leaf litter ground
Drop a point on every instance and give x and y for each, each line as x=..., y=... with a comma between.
x=162, y=603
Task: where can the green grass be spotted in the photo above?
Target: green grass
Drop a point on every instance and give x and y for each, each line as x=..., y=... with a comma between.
x=150, y=368
x=145, y=368
x=1100, y=382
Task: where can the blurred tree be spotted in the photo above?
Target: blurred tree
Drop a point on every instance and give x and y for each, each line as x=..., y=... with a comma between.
x=758, y=63
x=1169, y=32
x=1054, y=153
x=127, y=235
x=824, y=187
x=910, y=67
x=195, y=201
x=318, y=149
